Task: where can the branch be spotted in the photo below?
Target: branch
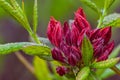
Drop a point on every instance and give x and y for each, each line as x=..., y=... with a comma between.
x=25, y=62
x=116, y=70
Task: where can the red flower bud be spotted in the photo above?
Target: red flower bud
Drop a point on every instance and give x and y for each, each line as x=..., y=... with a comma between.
x=54, y=32
x=81, y=12
x=105, y=33
x=67, y=41
x=80, y=20
x=107, y=50
x=61, y=70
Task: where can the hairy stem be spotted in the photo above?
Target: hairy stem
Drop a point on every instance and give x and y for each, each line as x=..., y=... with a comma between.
x=25, y=62
x=101, y=18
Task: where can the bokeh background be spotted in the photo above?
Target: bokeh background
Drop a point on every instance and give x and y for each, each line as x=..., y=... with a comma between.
x=62, y=10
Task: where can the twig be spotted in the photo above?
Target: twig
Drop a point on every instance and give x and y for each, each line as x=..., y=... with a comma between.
x=25, y=62
x=116, y=70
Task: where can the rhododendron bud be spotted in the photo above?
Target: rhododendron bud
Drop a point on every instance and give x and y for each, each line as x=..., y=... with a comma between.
x=61, y=70
x=54, y=32
x=68, y=40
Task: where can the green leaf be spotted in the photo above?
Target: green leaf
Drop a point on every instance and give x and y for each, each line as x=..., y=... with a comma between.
x=93, y=76
x=35, y=16
x=45, y=41
x=87, y=51
x=112, y=20
x=12, y=47
x=16, y=6
x=83, y=74
x=106, y=64
x=29, y=48
x=40, y=50
x=108, y=72
x=92, y=5
x=15, y=11
x=108, y=3
x=41, y=69
x=115, y=52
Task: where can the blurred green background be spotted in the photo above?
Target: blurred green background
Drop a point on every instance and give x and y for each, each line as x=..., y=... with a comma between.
x=62, y=10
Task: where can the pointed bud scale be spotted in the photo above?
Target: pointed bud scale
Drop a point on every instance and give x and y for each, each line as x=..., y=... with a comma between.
x=80, y=38
x=65, y=48
x=74, y=35
x=81, y=22
x=54, y=32
x=74, y=56
x=67, y=34
x=81, y=12
x=57, y=55
x=107, y=50
x=72, y=60
x=65, y=28
x=106, y=34
x=98, y=47
x=93, y=34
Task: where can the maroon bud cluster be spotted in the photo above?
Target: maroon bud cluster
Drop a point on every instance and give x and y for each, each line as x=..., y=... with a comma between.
x=67, y=40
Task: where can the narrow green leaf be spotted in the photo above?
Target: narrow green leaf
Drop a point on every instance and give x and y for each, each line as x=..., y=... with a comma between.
x=35, y=16
x=92, y=5
x=40, y=50
x=106, y=64
x=100, y=71
x=16, y=6
x=16, y=12
x=41, y=69
x=93, y=76
x=12, y=47
x=108, y=3
x=115, y=52
x=45, y=41
x=87, y=51
x=112, y=20
x=83, y=74
x=108, y=72
x=23, y=7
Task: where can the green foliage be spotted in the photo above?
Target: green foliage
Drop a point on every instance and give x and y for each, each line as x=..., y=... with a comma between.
x=41, y=69
x=104, y=12
x=35, y=16
x=83, y=74
x=115, y=52
x=15, y=11
x=92, y=5
x=12, y=47
x=105, y=64
x=108, y=4
x=87, y=51
x=29, y=48
x=38, y=50
x=108, y=72
x=93, y=76
x=112, y=20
